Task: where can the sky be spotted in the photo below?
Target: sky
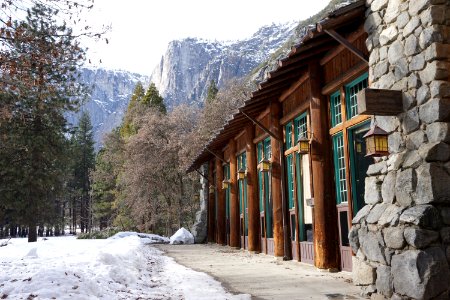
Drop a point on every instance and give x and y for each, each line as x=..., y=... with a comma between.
x=141, y=29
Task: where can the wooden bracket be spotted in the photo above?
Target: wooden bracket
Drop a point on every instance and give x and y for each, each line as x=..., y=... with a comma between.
x=346, y=44
x=257, y=123
x=201, y=174
x=217, y=156
x=380, y=102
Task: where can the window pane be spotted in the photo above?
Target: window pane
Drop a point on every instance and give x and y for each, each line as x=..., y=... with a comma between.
x=336, y=109
x=351, y=90
x=339, y=167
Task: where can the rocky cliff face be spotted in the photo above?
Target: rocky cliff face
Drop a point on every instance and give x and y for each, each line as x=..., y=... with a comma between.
x=188, y=66
x=108, y=99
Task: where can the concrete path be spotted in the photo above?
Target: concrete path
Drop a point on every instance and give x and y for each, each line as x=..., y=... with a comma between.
x=261, y=275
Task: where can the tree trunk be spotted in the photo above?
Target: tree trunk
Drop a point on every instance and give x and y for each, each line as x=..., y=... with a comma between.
x=32, y=233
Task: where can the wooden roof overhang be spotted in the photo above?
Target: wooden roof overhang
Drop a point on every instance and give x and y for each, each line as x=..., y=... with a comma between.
x=313, y=46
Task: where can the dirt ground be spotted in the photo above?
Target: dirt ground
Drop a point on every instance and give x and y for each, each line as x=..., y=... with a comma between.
x=263, y=276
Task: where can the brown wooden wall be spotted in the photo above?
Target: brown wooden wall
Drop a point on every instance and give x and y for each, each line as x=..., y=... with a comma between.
x=227, y=154
x=265, y=121
x=299, y=96
x=344, y=60
x=240, y=143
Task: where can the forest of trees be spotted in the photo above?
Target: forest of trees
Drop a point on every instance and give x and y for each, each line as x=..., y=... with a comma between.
x=51, y=180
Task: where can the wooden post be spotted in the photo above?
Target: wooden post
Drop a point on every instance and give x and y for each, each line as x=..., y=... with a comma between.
x=254, y=237
x=278, y=232
x=325, y=218
x=211, y=203
x=221, y=219
x=234, y=200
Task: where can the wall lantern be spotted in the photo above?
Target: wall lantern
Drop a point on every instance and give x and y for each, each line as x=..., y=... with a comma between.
x=376, y=142
x=212, y=189
x=264, y=165
x=303, y=145
x=241, y=173
x=225, y=184
x=196, y=197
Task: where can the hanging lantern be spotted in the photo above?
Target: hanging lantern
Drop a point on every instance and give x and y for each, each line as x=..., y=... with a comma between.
x=376, y=142
x=264, y=165
x=303, y=145
x=225, y=184
x=241, y=174
x=196, y=197
x=212, y=189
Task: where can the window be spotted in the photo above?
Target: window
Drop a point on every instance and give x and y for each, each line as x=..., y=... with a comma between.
x=339, y=167
x=350, y=91
x=290, y=180
x=300, y=127
x=336, y=109
x=288, y=133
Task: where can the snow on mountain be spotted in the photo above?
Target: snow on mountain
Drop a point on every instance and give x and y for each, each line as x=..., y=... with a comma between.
x=188, y=66
x=108, y=99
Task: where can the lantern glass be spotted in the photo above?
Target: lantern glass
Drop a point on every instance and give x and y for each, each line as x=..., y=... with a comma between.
x=241, y=174
x=225, y=184
x=376, y=142
x=303, y=145
x=211, y=189
x=265, y=165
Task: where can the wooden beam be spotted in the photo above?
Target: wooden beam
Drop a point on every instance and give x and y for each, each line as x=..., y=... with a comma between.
x=234, y=200
x=257, y=123
x=380, y=102
x=325, y=218
x=336, y=50
x=347, y=44
x=294, y=87
x=254, y=235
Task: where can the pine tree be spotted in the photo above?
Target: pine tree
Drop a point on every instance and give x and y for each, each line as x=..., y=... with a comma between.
x=212, y=92
x=84, y=156
x=153, y=99
x=44, y=58
x=127, y=129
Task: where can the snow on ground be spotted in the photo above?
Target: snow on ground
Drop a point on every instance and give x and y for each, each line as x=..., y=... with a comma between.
x=117, y=268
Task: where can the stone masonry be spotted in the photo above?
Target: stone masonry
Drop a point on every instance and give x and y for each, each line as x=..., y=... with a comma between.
x=402, y=236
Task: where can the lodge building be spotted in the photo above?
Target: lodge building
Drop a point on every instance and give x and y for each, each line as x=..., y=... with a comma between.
x=268, y=196
x=291, y=173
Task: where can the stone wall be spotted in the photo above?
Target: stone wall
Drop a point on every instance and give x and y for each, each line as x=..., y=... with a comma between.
x=402, y=236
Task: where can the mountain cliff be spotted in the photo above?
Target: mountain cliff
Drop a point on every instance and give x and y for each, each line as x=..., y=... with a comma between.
x=188, y=66
x=110, y=92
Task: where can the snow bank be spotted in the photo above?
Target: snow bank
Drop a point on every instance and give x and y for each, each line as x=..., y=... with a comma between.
x=117, y=268
x=182, y=236
x=146, y=238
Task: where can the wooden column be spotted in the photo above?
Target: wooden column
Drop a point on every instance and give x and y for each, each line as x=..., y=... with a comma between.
x=211, y=203
x=276, y=180
x=325, y=229
x=221, y=219
x=234, y=200
x=254, y=235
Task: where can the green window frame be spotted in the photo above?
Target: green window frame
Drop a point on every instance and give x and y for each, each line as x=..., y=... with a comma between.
x=300, y=127
x=242, y=184
x=340, y=168
x=336, y=109
x=351, y=90
x=290, y=180
x=265, y=151
x=288, y=134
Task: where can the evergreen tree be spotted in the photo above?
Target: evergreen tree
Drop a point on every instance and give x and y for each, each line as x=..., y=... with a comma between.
x=84, y=158
x=127, y=129
x=212, y=92
x=45, y=57
x=153, y=99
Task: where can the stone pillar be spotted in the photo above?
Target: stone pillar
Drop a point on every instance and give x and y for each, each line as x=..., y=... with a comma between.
x=235, y=239
x=221, y=218
x=325, y=220
x=402, y=235
x=254, y=237
x=199, y=229
x=212, y=204
x=276, y=174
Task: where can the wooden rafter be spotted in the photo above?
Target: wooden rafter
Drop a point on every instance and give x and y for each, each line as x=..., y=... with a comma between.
x=346, y=44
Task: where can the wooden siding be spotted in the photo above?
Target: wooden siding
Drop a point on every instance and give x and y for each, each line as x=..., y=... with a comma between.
x=344, y=61
x=241, y=143
x=265, y=121
x=294, y=100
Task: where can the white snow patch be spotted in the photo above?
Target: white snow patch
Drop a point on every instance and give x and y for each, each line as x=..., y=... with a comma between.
x=182, y=236
x=123, y=267
x=146, y=238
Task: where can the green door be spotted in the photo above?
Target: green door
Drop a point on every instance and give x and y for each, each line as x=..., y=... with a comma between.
x=359, y=164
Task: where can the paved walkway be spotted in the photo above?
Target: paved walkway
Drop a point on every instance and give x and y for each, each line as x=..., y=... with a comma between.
x=261, y=275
